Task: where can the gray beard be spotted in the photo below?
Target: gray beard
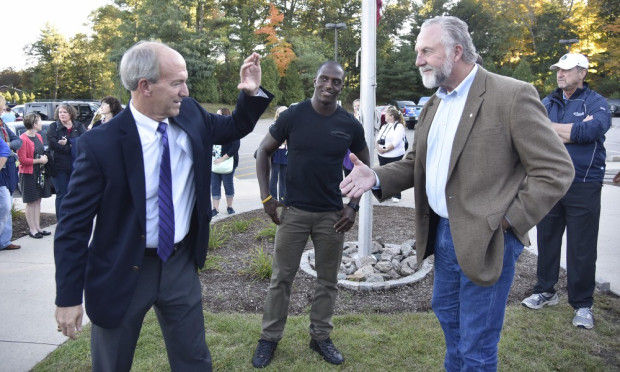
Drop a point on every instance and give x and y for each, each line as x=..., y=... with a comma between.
x=438, y=76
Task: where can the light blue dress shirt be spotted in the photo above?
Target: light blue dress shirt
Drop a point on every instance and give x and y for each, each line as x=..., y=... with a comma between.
x=440, y=140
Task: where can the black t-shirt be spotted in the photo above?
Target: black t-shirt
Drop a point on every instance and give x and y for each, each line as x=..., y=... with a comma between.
x=317, y=145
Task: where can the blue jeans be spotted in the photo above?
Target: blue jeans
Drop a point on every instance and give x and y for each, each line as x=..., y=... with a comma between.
x=470, y=315
x=278, y=180
x=216, y=185
x=60, y=182
x=6, y=220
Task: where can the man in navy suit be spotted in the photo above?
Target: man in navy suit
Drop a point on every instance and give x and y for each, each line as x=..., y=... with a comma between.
x=145, y=175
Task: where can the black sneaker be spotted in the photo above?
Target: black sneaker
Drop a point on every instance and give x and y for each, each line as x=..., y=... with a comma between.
x=230, y=210
x=213, y=212
x=263, y=353
x=327, y=350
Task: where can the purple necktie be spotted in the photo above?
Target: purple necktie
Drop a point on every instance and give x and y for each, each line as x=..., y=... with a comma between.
x=164, y=193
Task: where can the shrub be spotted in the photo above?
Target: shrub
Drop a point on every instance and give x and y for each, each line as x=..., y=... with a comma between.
x=259, y=265
x=268, y=232
x=218, y=235
x=16, y=213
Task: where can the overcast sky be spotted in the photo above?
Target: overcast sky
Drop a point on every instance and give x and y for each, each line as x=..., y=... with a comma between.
x=23, y=19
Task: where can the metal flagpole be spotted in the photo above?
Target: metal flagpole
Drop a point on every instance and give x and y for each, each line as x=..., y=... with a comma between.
x=367, y=109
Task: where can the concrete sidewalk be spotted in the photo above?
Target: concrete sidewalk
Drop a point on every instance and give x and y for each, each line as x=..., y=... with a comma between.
x=27, y=286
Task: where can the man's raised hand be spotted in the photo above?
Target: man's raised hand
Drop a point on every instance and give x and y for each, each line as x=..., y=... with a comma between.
x=360, y=180
x=250, y=75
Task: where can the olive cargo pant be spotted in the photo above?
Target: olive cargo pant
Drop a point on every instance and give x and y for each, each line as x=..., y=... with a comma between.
x=291, y=236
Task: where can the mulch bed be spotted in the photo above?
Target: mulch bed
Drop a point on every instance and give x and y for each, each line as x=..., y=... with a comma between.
x=229, y=289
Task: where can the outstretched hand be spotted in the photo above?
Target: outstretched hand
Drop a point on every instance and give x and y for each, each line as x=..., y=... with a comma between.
x=360, y=180
x=250, y=75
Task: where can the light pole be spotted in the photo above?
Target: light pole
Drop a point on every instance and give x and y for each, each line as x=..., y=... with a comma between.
x=336, y=27
x=568, y=42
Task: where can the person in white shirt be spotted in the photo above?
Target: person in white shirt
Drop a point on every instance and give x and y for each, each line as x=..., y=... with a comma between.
x=390, y=143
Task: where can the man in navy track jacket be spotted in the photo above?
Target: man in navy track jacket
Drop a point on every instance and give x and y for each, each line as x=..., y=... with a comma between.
x=581, y=117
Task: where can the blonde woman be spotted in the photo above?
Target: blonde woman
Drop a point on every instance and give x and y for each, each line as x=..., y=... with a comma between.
x=390, y=143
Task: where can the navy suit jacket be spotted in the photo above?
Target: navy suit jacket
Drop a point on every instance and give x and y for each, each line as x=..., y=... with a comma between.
x=108, y=182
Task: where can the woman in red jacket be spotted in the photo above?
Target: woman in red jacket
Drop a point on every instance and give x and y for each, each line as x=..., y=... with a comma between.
x=31, y=160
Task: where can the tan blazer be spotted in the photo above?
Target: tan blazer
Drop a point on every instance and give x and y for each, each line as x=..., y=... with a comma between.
x=506, y=161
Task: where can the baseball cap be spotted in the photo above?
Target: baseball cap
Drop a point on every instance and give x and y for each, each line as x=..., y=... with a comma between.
x=570, y=60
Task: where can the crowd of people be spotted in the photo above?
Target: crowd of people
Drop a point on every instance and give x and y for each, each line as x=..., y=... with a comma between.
x=489, y=162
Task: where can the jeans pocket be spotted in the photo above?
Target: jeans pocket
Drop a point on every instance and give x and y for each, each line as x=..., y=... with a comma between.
x=510, y=240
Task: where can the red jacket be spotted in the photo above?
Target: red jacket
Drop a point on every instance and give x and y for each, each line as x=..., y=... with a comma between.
x=26, y=153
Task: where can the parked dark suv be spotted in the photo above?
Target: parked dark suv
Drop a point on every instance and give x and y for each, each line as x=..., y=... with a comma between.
x=85, y=109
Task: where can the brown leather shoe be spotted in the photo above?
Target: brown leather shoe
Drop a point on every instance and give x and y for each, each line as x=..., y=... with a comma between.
x=12, y=246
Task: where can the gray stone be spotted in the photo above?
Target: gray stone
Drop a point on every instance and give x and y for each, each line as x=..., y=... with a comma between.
x=376, y=247
x=386, y=257
x=398, y=257
x=411, y=262
x=348, y=245
x=406, y=249
x=347, y=260
x=365, y=270
x=410, y=242
x=351, y=269
x=355, y=277
x=393, y=274
x=406, y=270
x=374, y=278
x=393, y=250
x=384, y=266
x=311, y=263
x=349, y=251
x=366, y=260
x=311, y=256
x=396, y=264
x=342, y=276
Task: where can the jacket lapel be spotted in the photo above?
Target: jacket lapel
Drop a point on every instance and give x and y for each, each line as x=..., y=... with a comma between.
x=134, y=164
x=470, y=113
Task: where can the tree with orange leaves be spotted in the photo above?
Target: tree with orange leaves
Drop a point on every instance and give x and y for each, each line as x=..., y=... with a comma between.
x=279, y=49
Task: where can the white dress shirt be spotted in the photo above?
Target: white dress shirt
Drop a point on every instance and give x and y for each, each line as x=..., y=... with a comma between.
x=440, y=140
x=183, y=188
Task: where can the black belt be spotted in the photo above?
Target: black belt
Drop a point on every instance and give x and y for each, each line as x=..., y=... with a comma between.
x=152, y=252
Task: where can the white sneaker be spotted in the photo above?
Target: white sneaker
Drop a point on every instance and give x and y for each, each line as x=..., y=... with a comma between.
x=539, y=300
x=395, y=200
x=584, y=318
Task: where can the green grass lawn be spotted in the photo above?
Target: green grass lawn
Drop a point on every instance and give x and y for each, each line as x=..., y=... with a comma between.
x=542, y=340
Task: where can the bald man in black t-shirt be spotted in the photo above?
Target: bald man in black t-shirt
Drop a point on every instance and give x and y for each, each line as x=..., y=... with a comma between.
x=318, y=134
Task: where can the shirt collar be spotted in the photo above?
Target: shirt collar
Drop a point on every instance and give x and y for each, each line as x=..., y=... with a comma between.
x=144, y=121
x=462, y=89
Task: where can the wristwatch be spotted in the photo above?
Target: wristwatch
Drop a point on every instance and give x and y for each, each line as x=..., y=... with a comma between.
x=354, y=206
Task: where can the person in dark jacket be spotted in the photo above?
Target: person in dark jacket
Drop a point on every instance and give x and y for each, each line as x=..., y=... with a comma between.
x=221, y=154
x=279, y=162
x=581, y=117
x=8, y=183
x=62, y=138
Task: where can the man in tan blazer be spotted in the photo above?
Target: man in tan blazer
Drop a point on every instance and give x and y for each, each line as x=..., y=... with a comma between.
x=486, y=167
